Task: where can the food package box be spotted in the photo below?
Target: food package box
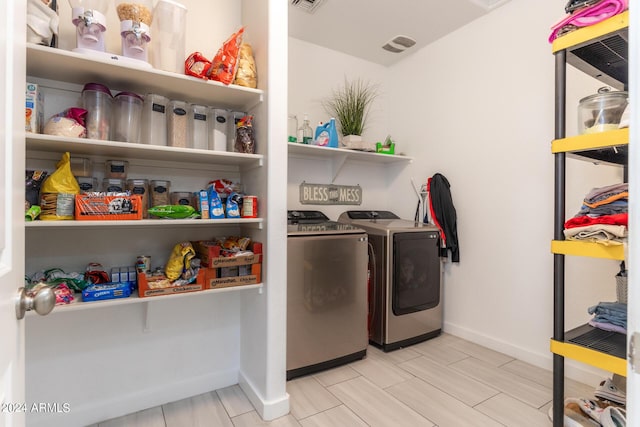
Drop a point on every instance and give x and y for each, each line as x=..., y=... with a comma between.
x=147, y=287
x=209, y=254
x=34, y=109
x=104, y=291
x=125, y=275
x=214, y=280
x=97, y=206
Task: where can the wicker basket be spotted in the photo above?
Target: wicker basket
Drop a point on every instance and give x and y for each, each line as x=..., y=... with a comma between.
x=621, y=289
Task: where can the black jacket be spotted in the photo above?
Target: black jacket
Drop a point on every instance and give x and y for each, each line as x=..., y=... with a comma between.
x=444, y=215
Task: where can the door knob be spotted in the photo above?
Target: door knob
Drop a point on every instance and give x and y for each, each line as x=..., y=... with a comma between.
x=42, y=300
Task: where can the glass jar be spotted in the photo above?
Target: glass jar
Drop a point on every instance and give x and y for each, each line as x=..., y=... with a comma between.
x=159, y=190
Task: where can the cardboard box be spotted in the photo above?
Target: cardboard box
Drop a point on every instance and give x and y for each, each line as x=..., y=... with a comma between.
x=210, y=255
x=146, y=290
x=95, y=206
x=214, y=281
x=34, y=109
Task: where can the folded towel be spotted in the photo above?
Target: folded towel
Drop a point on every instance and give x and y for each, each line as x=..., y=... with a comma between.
x=584, y=220
x=590, y=15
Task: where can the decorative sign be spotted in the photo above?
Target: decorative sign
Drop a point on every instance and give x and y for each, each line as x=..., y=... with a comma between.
x=325, y=194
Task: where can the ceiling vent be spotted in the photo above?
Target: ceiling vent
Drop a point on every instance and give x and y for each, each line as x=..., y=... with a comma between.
x=399, y=44
x=308, y=6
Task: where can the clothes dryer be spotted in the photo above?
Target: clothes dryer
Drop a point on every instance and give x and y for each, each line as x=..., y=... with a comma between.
x=405, y=291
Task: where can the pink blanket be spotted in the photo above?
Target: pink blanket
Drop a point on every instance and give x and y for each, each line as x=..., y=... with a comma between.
x=590, y=15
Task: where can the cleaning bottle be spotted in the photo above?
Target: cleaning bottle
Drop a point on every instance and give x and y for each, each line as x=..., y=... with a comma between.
x=327, y=134
x=305, y=133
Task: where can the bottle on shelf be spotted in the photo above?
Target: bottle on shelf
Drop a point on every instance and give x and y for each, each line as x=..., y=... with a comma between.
x=292, y=128
x=305, y=133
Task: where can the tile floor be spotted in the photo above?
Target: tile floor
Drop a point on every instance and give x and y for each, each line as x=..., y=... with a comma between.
x=443, y=382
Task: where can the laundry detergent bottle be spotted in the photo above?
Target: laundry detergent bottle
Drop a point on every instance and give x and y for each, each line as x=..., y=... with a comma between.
x=327, y=134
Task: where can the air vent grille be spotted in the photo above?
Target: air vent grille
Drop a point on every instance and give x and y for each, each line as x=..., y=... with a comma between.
x=308, y=6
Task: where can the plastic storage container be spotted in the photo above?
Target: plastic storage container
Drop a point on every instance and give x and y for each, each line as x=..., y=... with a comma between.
x=234, y=118
x=127, y=117
x=601, y=112
x=154, y=120
x=159, y=191
x=177, y=121
x=81, y=167
x=116, y=169
x=113, y=185
x=198, y=131
x=168, y=42
x=97, y=100
x=87, y=183
x=182, y=198
x=135, y=27
x=218, y=129
x=141, y=188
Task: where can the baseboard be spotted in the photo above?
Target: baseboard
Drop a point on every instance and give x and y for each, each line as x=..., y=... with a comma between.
x=268, y=410
x=96, y=410
x=574, y=370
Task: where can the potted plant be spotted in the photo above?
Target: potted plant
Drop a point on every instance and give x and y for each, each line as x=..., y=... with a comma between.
x=350, y=106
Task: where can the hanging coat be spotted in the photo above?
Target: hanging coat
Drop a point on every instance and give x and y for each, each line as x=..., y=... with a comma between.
x=443, y=214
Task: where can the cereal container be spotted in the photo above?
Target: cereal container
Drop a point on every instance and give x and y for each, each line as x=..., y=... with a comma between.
x=198, y=126
x=177, y=118
x=127, y=117
x=159, y=190
x=154, y=120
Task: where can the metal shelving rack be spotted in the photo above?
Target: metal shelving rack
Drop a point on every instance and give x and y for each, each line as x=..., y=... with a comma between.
x=601, y=51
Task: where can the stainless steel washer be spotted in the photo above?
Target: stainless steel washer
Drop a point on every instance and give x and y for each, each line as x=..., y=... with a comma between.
x=326, y=293
x=406, y=278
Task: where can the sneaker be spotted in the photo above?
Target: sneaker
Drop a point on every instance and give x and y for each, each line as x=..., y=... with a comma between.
x=573, y=415
x=607, y=390
x=589, y=407
x=612, y=416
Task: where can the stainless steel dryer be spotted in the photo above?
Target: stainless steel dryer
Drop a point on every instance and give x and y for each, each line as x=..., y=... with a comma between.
x=405, y=305
x=326, y=293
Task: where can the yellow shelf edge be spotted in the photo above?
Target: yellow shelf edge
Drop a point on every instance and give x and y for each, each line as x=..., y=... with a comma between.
x=587, y=249
x=591, y=141
x=592, y=32
x=591, y=357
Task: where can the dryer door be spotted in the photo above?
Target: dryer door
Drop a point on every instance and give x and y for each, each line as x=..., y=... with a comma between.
x=415, y=272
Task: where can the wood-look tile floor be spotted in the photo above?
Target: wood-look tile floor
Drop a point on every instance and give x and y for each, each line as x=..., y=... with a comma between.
x=443, y=382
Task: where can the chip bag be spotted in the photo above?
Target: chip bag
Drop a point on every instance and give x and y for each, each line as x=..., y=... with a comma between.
x=57, y=194
x=180, y=260
x=225, y=63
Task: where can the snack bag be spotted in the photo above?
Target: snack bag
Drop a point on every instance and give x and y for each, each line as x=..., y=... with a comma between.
x=180, y=260
x=197, y=65
x=69, y=123
x=225, y=63
x=246, y=74
x=57, y=196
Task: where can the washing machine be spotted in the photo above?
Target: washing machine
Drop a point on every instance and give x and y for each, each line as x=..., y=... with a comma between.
x=326, y=293
x=405, y=290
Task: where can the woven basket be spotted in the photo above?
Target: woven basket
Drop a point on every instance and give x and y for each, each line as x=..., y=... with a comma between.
x=621, y=289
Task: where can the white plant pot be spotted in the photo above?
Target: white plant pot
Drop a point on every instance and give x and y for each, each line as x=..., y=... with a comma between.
x=349, y=140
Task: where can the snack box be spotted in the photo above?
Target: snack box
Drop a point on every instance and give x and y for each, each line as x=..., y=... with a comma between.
x=34, y=109
x=102, y=291
x=98, y=206
x=214, y=279
x=146, y=286
x=210, y=255
x=125, y=275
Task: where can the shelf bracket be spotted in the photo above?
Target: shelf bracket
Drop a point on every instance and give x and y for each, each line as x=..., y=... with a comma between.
x=145, y=313
x=337, y=165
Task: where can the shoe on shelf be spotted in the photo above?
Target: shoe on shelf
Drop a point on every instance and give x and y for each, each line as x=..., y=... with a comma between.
x=607, y=390
x=574, y=416
x=613, y=416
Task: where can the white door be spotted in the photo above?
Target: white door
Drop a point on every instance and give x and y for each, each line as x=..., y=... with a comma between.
x=12, y=87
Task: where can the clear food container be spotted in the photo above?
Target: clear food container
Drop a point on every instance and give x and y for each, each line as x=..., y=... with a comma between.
x=97, y=100
x=113, y=185
x=141, y=188
x=601, y=112
x=177, y=119
x=159, y=190
x=198, y=126
x=81, y=167
x=87, y=184
x=116, y=169
x=182, y=198
x=127, y=117
x=154, y=120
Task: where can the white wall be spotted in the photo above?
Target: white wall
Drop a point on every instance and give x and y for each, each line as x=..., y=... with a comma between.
x=477, y=106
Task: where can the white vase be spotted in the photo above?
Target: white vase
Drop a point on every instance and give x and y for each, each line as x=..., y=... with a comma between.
x=351, y=140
